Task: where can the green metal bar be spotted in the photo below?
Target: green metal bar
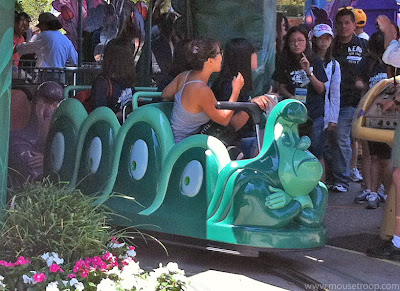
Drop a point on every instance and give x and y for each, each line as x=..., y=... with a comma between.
x=143, y=94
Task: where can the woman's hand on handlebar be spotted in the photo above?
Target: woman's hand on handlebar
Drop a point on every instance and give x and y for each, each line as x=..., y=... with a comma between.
x=263, y=102
x=237, y=83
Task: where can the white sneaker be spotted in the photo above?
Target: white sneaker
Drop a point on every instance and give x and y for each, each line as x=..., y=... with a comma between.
x=339, y=188
x=381, y=193
x=372, y=200
x=355, y=175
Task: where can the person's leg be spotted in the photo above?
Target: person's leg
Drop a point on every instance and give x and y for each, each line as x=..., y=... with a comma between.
x=366, y=163
x=355, y=175
x=318, y=142
x=342, y=152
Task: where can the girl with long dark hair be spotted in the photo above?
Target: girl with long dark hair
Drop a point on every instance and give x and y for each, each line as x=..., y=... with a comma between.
x=301, y=75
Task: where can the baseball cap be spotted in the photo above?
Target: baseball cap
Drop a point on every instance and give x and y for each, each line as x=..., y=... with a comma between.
x=49, y=19
x=361, y=17
x=322, y=29
x=50, y=91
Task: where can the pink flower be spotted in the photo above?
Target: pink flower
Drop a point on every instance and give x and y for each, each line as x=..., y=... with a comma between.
x=84, y=273
x=22, y=261
x=132, y=248
x=39, y=277
x=71, y=276
x=6, y=264
x=55, y=268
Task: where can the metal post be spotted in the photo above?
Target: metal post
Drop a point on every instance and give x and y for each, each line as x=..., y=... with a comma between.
x=80, y=23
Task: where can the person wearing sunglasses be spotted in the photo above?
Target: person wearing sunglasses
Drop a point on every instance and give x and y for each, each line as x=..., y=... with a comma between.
x=348, y=50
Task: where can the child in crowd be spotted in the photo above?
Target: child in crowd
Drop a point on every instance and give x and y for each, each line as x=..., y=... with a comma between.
x=376, y=165
x=322, y=37
x=301, y=75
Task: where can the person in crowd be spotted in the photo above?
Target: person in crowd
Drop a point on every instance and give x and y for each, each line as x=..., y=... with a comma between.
x=302, y=76
x=27, y=144
x=348, y=50
x=240, y=56
x=21, y=25
x=322, y=45
x=391, y=56
x=282, y=27
x=163, y=47
x=376, y=166
x=179, y=64
x=114, y=86
x=355, y=175
x=52, y=48
x=131, y=31
x=361, y=21
x=194, y=100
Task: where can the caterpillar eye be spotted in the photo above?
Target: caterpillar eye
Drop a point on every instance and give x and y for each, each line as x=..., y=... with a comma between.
x=192, y=179
x=139, y=159
x=57, y=152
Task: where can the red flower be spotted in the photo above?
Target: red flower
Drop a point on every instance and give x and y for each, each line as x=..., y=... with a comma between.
x=55, y=268
x=39, y=277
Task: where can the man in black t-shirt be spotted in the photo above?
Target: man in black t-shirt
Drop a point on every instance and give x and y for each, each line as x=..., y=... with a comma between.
x=348, y=51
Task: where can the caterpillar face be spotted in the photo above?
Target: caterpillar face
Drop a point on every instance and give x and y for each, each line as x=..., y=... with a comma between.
x=139, y=159
x=192, y=178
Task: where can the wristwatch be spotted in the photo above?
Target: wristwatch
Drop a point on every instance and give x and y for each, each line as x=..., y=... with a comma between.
x=311, y=74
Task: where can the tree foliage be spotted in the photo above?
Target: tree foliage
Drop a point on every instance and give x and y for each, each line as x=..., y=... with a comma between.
x=290, y=2
x=35, y=7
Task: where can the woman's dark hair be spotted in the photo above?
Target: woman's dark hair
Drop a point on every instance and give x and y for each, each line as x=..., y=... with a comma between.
x=237, y=58
x=328, y=54
x=179, y=62
x=290, y=58
x=113, y=67
x=130, y=28
x=376, y=44
x=19, y=16
x=200, y=50
x=279, y=38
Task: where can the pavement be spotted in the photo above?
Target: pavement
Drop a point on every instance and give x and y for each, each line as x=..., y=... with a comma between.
x=341, y=264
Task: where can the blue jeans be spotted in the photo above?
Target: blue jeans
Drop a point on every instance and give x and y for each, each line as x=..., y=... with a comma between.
x=340, y=151
x=317, y=138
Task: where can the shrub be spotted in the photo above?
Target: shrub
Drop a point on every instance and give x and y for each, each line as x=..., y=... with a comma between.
x=44, y=216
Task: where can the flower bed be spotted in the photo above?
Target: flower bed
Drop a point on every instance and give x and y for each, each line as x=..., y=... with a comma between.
x=116, y=269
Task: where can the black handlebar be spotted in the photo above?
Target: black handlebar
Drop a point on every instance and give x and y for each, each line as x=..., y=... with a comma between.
x=252, y=109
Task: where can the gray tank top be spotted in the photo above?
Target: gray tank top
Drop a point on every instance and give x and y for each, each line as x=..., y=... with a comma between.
x=183, y=122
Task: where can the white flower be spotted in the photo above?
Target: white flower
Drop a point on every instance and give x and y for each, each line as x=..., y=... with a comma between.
x=115, y=245
x=173, y=267
x=73, y=281
x=131, y=253
x=131, y=269
x=51, y=258
x=53, y=286
x=79, y=286
x=107, y=285
x=29, y=280
x=115, y=271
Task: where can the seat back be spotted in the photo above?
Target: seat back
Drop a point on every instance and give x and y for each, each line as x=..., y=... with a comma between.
x=20, y=110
